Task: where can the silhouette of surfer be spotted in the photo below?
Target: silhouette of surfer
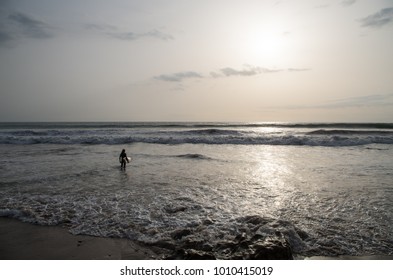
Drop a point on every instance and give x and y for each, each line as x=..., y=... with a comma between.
x=123, y=159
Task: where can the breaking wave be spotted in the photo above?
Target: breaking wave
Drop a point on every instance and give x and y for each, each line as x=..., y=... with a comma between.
x=313, y=139
x=349, y=132
x=194, y=156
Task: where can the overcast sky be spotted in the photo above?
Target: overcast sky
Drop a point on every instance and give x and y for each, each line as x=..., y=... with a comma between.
x=187, y=60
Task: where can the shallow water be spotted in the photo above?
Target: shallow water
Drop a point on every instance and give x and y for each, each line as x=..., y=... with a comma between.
x=325, y=199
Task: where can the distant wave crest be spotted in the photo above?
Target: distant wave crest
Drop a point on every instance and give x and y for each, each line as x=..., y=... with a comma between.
x=209, y=134
x=116, y=125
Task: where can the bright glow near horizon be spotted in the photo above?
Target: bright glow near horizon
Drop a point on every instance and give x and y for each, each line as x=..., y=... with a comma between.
x=196, y=60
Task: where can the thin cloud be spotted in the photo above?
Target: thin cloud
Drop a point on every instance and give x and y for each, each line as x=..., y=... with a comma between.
x=115, y=32
x=348, y=2
x=228, y=71
x=379, y=19
x=158, y=35
x=298, y=69
x=100, y=27
x=362, y=101
x=17, y=26
x=131, y=36
x=323, y=6
x=377, y=100
x=215, y=75
x=31, y=27
x=179, y=76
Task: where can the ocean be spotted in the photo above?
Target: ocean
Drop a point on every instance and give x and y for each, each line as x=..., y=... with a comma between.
x=326, y=188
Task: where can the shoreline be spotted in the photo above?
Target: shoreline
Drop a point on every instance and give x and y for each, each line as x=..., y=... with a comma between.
x=24, y=241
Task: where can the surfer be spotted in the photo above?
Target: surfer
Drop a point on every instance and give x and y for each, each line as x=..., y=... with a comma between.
x=123, y=158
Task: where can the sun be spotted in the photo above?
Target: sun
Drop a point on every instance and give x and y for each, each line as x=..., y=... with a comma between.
x=268, y=43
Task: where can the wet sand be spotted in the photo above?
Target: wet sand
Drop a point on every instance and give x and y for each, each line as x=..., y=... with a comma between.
x=371, y=257
x=23, y=241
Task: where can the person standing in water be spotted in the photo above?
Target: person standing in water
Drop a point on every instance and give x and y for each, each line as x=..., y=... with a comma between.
x=123, y=159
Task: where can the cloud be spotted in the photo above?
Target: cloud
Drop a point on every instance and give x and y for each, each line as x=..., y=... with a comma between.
x=115, y=32
x=248, y=70
x=348, y=2
x=378, y=19
x=5, y=37
x=344, y=3
x=30, y=27
x=131, y=36
x=228, y=71
x=158, y=35
x=298, y=69
x=16, y=26
x=178, y=77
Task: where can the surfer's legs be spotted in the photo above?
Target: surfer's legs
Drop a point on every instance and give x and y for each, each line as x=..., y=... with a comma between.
x=123, y=163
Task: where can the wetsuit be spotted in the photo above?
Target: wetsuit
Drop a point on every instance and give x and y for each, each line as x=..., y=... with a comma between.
x=124, y=159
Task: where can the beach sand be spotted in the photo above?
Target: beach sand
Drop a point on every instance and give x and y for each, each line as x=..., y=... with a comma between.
x=23, y=241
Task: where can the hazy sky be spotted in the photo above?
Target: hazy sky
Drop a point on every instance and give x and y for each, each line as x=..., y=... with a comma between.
x=188, y=60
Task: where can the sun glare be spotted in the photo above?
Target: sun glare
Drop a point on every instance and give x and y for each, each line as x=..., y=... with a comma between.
x=267, y=44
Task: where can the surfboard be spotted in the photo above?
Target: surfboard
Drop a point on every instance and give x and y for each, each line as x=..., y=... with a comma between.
x=129, y=159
